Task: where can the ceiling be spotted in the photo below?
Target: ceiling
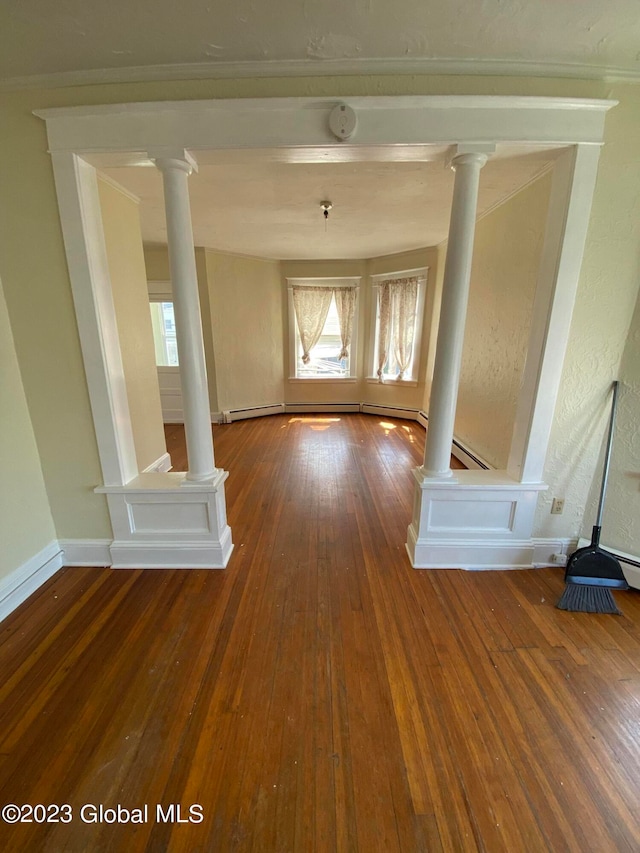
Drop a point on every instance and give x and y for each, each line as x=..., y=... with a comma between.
x=269, y=208
x=252, y=204
x=90, y=40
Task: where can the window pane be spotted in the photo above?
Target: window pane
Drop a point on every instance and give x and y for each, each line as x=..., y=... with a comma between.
x=164, y=334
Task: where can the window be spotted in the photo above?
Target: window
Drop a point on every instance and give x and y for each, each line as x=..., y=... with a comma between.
x=322, y=325
x=164, y=334
x=399, y=306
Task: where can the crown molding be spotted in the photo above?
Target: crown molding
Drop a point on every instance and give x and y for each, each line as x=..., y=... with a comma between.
x=320, y=68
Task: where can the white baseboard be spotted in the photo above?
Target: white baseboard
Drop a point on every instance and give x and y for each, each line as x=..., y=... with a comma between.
x=26, y=579
x=86, y=552
x=544, y=551
x=483, y=556
x=162, y=464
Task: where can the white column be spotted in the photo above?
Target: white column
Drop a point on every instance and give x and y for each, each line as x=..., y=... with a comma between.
x=193, y=373
x=455, y=295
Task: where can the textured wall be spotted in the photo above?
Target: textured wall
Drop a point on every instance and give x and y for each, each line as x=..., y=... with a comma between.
x=123, y=242
x=621, y=521
x=599, y=327
x=246, y=320
x=506, y=258
x=26, y=526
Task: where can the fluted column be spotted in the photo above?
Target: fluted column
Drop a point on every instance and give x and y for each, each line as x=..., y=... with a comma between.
x=193, y=372
x=455, y=296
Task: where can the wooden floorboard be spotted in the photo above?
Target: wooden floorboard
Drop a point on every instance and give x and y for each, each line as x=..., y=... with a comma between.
x=319, y=694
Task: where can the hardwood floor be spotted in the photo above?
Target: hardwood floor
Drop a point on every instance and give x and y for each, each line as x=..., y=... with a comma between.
x=319, y=694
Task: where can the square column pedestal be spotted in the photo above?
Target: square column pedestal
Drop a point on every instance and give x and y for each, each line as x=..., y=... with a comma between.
x=161, y=521
x=472, y=520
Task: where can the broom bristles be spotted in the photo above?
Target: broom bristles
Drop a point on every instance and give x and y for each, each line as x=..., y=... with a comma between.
x=580, y=598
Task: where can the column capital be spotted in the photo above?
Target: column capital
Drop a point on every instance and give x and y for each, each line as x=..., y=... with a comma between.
x=173, y=158
x=471, y=152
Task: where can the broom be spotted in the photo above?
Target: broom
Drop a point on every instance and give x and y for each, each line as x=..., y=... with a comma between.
x=592, y=572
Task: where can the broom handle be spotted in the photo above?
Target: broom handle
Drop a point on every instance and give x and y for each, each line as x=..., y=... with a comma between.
x=607, y=456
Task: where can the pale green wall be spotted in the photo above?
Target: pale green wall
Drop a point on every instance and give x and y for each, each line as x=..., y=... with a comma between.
x=204, y=292
x=123, y=243
x=47, y=343
x=246, y=322
x=506, y=257
x=26, y=525
x=156, y=261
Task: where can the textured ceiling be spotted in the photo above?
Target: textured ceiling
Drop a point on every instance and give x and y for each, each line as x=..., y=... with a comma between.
x=40, y=37
x=272, y=209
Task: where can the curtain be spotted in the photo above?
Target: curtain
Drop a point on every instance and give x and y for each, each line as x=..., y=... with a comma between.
x=397, y=304
x=384, y=309
x=311, y=305
x=345, y=304
x=404, y=300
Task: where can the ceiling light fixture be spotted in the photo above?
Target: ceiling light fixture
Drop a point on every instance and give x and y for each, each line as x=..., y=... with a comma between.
x=325, y=206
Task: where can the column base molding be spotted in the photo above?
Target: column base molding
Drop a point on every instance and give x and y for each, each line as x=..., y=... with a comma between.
x=172, y=555
x=160, y=521
x=473, y=520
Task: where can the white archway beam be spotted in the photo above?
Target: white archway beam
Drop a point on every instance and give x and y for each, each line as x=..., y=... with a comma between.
x=295, y=122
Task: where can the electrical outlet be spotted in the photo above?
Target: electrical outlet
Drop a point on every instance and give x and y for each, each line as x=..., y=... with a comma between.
x=557, y=507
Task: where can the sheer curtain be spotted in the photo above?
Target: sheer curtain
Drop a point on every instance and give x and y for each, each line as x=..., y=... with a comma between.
x=346, y=305
x=404, y=300
x=311, y=305
x=384, y=323
x=397, y=305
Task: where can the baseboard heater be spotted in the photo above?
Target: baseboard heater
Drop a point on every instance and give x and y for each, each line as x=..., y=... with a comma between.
x=252, y=412
x=321, y=408
x=390, y=411
x=461, y=452
x=619, y=555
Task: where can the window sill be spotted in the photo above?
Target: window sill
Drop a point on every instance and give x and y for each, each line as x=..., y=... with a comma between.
x=410, y=383
x=324, y=379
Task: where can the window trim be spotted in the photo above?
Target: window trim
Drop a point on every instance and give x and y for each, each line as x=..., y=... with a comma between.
x=422, y=273
x=161, y=299
x=331, y=282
